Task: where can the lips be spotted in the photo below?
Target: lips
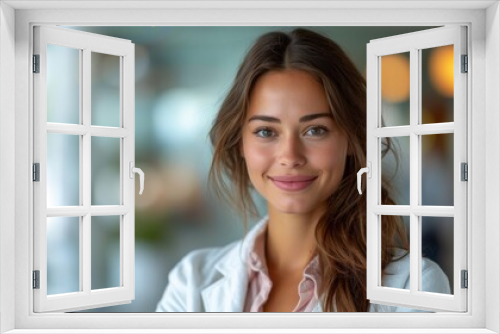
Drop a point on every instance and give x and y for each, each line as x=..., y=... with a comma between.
x=293, y=182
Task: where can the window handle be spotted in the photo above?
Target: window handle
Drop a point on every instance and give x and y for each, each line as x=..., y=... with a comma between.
x=141, y=175
x=367, y=170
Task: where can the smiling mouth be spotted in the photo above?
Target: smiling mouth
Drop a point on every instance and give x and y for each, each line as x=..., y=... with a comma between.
x=293, y=183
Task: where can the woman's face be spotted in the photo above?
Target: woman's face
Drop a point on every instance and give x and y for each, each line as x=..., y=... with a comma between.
x=294, y=152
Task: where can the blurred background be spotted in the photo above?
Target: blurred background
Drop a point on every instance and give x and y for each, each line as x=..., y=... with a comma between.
x=182, y=75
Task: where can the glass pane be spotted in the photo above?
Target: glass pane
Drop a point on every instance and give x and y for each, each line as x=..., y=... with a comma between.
x=395, y=153
x=437, y=84
x=395, y=89
x=63, y=255
x=63, y=84
x=63, y=169
x=437, y=169
x=437, y=246
x=105, y=252
x=105, y=171
x=395, y=236
x=105, y=90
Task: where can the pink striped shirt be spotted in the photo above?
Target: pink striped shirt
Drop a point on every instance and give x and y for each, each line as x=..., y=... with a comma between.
x=260, y=284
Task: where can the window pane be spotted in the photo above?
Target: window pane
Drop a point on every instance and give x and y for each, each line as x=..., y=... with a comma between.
x=395, y=236
x=63, y=84
x=395, y=153
x=63, y=169
x=105, y=90
x=105, y=171
x=437, y=246
x=395, y=89
x=437, y=84
x=437, y=169
x=105, y=252
x=63, y=255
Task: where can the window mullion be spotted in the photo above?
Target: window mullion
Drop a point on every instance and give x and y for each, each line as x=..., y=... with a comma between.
x=460, y=155
x=123, y=163
x=419, y=129
x=434, y=128
x=414, y=169
x=406, y=210
x=67, y=129
x=85, y=265
x=76, y=129
x=82, y=285
x=86, y=114
x=127, y=121
x=40, y=155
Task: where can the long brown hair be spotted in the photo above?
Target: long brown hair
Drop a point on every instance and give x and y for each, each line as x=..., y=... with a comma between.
x=341, y=232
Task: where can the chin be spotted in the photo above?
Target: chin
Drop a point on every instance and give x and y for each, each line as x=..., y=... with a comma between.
x=293, y=208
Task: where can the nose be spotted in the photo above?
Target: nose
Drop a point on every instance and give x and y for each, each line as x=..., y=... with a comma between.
x=291, y=153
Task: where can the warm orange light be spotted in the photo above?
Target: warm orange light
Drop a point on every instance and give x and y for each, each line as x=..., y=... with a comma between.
x=395, y=78
x=441, y=69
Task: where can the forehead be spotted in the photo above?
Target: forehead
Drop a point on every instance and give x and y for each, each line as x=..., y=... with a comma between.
x=288, y=91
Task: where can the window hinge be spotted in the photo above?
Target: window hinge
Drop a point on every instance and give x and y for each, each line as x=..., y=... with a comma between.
x=36, y=279
x=465, y=171
x=465, y=64
x=465, y=279
x=36, y=63
x=36, y=172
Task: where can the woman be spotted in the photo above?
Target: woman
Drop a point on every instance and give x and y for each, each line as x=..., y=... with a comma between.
x=293, y=127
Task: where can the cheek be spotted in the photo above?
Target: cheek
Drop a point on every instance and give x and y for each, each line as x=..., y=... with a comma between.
x=257, y=159
x=257, y=156
x=333, y=158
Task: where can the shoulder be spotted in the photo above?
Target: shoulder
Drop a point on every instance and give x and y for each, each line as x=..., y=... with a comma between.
x=223, y=258
x=201, y=263
x=202, y=268
x=190, y=276
x=397, y=275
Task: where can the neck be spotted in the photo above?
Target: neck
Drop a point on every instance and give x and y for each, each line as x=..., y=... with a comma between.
x=290, y=242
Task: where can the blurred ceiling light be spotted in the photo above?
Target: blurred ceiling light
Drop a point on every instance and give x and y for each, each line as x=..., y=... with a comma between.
x=395, y=78
x=441, y=69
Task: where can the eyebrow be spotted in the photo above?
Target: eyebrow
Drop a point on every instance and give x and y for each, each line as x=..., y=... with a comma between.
x=305, y=118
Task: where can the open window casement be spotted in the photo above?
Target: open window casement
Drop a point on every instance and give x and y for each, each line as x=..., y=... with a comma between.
x=416, y=130
x=83, y=169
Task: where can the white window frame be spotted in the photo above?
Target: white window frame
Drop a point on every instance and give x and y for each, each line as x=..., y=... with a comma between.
x=17, y=19
x=414, y=43
x=85, y=43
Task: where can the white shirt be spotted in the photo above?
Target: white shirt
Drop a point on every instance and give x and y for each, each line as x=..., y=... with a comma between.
x=216, y=279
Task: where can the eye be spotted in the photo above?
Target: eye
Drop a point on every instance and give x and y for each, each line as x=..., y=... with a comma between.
x=316, y=131
x=264, y=133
